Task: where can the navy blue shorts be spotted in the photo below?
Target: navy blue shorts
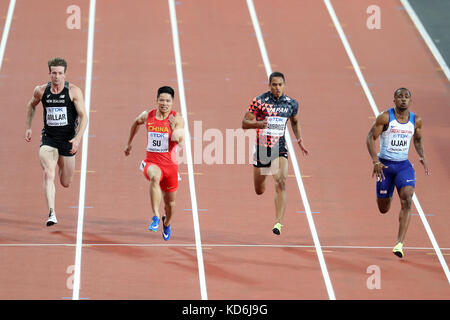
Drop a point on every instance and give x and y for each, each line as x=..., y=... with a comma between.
x=263, y=156
x=399, y=174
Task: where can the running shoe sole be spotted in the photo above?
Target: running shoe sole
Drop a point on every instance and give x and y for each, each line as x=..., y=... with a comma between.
x=51, y=221
x=166, y=236
x=277, y=229
x=153, y=228
x=398, y=250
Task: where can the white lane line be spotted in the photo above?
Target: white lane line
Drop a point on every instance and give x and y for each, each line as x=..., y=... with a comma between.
x=205, y=245
x=426, y=37
x=188, y=149
x=293, y=157
x=84, y=154
x=357, y=69
x=6, y=29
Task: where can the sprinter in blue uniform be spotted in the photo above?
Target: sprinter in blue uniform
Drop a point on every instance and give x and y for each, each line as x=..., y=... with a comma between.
x=395, y=128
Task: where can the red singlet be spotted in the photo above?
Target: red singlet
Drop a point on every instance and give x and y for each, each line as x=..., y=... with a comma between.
x=161, y=151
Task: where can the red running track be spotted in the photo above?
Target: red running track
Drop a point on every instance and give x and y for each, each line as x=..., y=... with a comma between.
x=223, y=71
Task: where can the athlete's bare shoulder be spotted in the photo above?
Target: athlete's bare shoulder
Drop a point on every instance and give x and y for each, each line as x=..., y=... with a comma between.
x=73, y=87
x=39, y=91
x=382, y=118
x=142, y=117
x=418, y=121
x=74, y=91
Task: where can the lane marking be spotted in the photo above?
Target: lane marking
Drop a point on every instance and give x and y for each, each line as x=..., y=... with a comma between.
x=81, y=206
x=293, y=176
x=187, y=145
x=195, y=173
x=86, y=207
x=305, y=211
x=6, y=29
x=265, y=58
x=426, y=37
x=374, y=107
x=207, y=245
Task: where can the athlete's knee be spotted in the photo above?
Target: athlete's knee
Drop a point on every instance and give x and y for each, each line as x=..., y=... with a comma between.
x=383, y=205
x=406, y=198
x=154, y=177
x=259, y=190
x=49, y=174
x=383, y=210
x=280, y=184
x=170, y=205
x=154, y=174
x=406, y=203
x=66, y=183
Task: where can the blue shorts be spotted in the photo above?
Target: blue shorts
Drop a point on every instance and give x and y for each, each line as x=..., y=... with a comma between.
x=399, y=174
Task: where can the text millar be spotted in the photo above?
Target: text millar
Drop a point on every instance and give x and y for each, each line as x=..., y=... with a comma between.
x=56, y=117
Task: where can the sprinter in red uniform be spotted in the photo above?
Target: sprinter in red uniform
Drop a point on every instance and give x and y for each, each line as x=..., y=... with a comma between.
x=160, y=167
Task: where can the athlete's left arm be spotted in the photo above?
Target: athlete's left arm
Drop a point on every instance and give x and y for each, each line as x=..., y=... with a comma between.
x=77, y=98
x=295, y=124
x=178, y=129
x=418, y=143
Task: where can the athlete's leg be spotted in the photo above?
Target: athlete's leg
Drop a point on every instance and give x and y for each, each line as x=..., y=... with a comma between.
x=280, y=170
x=405, y=183
x=259, y=179
x=48, y=157
x=385, y=189
x=384, y=204
x=169, y=206
x=154, y=175
x=66, y=170
x=405, y=194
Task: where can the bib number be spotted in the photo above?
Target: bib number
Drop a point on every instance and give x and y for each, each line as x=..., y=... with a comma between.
x=399, y=142
x=158, y=142
x=56, y=116
x=275, y=126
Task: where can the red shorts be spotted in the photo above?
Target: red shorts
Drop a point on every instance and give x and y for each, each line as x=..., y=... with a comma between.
x=169, y=175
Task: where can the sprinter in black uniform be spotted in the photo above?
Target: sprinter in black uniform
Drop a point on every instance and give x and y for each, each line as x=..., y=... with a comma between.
x=63, y=106
x=268, y=114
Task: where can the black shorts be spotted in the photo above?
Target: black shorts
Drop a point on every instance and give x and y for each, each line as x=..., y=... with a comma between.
x=63, y=145
x=263, y=156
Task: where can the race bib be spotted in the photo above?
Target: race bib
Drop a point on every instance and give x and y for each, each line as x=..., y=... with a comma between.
x=399, y=141
x=158, y=142
x=275, y=126
x=56, y=116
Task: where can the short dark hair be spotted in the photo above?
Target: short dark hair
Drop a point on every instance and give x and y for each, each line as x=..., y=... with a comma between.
x=57, y=62
x=166, y=89
x=396, y=92
x=276, y=74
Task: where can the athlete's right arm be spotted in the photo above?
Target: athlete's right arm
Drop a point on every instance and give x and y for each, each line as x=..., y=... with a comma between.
x=250, y=122
x=31, y=108
x=140, y=120
x=375, y=131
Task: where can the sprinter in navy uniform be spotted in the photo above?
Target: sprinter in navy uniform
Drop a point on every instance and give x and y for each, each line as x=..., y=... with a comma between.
x=65, y=120
x=268, y=114
x=391, y=166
